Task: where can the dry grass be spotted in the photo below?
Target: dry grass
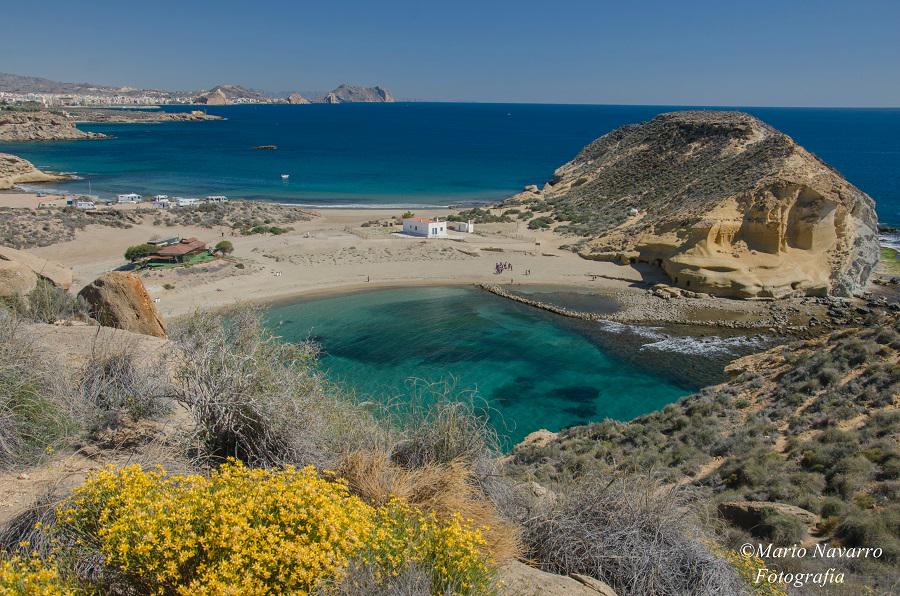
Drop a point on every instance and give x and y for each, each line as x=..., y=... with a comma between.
x=443, y=488
x=261, y=400
x=632, y=533
x=37, y=412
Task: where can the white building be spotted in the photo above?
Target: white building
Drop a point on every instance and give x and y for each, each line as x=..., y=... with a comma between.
x=80, y=204
x=182, y=202
x=216, y=199
x=129, y=198
x=467, y=227
x=164, y=203
x=421, y=226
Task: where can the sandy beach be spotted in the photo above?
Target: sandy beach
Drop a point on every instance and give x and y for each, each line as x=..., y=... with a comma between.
x=333, y=252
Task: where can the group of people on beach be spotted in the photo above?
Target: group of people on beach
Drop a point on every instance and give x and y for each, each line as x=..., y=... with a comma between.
x=502, y=266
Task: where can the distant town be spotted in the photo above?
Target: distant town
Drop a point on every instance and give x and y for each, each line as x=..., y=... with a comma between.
x=17, y=89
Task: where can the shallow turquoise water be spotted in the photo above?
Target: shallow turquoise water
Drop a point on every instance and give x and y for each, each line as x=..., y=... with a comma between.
x=417, y=153
x=533, y=369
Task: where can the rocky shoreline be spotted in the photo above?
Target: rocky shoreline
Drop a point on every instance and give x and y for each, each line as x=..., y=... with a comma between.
x=799, y=318
x=24, y=126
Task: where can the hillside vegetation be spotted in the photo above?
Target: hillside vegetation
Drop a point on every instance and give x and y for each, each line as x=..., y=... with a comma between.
x=811, y=424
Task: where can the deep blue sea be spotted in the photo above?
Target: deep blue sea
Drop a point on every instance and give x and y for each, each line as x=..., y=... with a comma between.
x=417, y=153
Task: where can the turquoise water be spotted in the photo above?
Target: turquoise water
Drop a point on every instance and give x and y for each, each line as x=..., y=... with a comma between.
x=531, y=368
x=417, y=153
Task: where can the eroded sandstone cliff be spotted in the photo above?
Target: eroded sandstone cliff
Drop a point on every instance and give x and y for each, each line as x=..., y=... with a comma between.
x=721, y=201
x=15, y=170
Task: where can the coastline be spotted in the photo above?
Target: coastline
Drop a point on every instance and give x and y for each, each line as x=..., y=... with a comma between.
x=347, y=250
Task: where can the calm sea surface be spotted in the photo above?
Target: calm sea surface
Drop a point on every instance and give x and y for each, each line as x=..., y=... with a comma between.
x=417, y=153
x=532, y=369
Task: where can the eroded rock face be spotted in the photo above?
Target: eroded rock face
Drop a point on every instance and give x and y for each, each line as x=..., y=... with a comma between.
x=722, y=202
x=15, y=170
x=119, y=299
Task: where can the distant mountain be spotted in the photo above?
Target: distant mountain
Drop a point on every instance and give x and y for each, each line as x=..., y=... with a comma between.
x=11, y=83
x=222, y=94
x=218, y=95
x=353, y=94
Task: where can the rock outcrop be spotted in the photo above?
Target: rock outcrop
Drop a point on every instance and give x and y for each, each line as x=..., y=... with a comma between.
x=751, y=514
x=16, y=279
x=118, y=299
x=354, y=94
x=59, y=275
x=213, y=98
x=15, y=170
x=519, y=579
x=41, y=126
x=722, y=202
x=296, y=98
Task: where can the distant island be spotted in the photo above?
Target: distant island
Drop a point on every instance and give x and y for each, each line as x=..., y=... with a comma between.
x=19, y=89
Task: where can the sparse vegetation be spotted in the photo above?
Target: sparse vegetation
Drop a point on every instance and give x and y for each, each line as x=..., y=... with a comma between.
x=809, y=427
x=139, y=251
x=540, y=223
x=224, y=247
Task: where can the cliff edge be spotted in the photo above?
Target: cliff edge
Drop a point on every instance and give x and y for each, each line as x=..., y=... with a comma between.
x=722, y=202
x=15, y=170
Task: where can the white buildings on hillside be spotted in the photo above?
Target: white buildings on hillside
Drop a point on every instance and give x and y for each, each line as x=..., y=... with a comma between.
x=422, y=226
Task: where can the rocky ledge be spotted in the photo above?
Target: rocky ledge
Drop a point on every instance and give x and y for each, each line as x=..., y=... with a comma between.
x=722, y=202
x=15, y=170
x=41, y=126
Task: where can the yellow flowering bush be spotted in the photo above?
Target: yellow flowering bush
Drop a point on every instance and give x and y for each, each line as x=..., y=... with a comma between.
x=747, y=566
x=452, y=549
x=252, y=531
x=19, y=575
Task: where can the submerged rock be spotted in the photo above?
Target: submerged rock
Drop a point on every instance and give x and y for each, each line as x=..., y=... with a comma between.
x=119, y=299
x=726, y=205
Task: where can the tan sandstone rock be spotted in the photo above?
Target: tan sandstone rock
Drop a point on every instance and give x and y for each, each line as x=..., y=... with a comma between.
x=16, y=279
x=119, y=299
x=15, y=170
x=749, y=514
x=723, y=203
x=518, y=579
x=59, y=275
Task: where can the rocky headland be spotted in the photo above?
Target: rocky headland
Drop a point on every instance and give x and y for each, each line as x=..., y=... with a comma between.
x=15, y=170
x=722, y=202
x=355, y=94
x=41, y=125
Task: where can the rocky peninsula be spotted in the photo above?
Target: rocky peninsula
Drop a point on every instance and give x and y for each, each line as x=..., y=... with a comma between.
x=723, y=203
x=15, y=170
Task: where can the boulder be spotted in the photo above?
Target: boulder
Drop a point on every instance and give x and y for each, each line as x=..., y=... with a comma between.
x=16, y=279
x=57, y=274
x=518, y=579
x=119, y=299
x=749, y=514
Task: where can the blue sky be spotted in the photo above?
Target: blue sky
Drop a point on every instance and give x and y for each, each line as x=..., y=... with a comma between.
x=784, y=53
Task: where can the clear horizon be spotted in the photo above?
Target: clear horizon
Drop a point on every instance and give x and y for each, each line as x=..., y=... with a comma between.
x=822, y=54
